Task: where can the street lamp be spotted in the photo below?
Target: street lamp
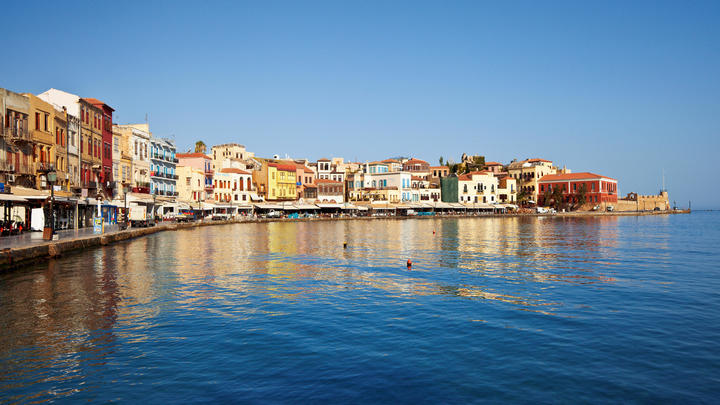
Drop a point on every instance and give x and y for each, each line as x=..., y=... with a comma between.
x=126, y=190
x=153, y=207
x=51, y=179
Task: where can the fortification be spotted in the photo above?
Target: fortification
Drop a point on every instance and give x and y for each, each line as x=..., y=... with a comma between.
x=637, y=202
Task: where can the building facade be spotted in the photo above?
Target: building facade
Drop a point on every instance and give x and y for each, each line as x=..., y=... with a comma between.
x=596, y=188
x=163, y=179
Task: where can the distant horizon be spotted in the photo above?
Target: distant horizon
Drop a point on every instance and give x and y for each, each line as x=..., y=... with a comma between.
x=625, y=90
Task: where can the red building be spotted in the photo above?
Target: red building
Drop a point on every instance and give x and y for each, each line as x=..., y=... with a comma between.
x=598, y=189
x=106, y=174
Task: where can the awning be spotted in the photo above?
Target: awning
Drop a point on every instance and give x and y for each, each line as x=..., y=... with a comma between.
x=443, y=205
x=307, y=207
x=255, y=197
x=244, y=207
x=10, y=197
x=269, y=206
x=349, y=206
x=329, y=205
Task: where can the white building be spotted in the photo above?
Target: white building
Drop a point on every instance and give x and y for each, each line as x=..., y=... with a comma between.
x=233, y=186
x=478, y=187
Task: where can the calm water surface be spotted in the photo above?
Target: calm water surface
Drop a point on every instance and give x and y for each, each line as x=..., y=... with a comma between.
x=494, y=309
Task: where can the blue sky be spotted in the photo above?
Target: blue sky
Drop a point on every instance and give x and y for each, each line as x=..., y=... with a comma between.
x=624, y=89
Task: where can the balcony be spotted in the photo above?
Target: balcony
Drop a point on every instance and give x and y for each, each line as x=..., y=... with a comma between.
x=18, y=134
x=44, y=167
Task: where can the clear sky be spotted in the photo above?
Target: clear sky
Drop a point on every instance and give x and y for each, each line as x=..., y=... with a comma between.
x=624, y=89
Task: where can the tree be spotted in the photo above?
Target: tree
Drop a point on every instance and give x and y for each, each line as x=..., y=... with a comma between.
x=522, y=196
x=200, y=147
x=441, y=160
x=581, y=196
x=557, y=196
x=479, y=160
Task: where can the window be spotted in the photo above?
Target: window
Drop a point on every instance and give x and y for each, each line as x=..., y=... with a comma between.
x=47, y=116
x=37, y=120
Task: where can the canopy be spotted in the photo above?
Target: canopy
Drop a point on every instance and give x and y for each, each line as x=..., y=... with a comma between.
x=10, y=197
x=329, y=205
x=269, y=206
x=307, y=207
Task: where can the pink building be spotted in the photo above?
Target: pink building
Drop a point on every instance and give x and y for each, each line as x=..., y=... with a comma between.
x=198, y=161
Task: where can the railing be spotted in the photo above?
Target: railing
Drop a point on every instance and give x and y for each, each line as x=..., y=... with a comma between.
x=18, y=134
x=44, y=167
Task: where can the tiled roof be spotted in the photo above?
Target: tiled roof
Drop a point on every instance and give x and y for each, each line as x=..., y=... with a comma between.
x=414, y=161
x=283, y=166
x=538, y=160
x=233, y=170
x=574, y=176
x=96, y=102
x=493, y=164
x=191, y=155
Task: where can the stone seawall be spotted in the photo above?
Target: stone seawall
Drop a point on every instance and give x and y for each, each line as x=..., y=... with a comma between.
x=16, y=257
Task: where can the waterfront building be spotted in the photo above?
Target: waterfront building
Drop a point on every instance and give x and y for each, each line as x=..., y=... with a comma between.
x=105, y=122
x=305, y=186
x=42, y=123
x=90, y=147
x=528, y=172
x=16, y=141
x=281, y=181
x=323, y=168
x=137, y=139
x=233, y=151
x=597, y=188
x=122, y=162
x=436, y=173
x=191, y=185
x=70, y=104
x=163, y=179
x=478, y=187
x=61, y=153
x=400, y=181
x=200, y=162
x=507, y=189
x=330, y=191
x=233, y=186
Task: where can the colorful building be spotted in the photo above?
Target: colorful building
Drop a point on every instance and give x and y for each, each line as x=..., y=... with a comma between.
x=281, y=181
x=163, y=179
x=105, y=122
x=16, y=167
x=200, y=162
x=528, y=172
x=598, y=189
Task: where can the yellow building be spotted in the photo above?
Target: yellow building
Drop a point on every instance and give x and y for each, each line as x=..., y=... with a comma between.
x=90, y=145
x=528, y=172
x=42, y=126
x=281, y=181
x=61, y=151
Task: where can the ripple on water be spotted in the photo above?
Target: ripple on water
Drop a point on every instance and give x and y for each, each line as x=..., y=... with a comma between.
x=500, y=309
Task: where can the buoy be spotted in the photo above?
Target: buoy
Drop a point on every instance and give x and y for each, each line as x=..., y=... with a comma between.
x=409, y=263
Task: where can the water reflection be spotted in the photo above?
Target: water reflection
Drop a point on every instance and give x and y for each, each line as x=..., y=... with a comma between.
x=72, y=311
